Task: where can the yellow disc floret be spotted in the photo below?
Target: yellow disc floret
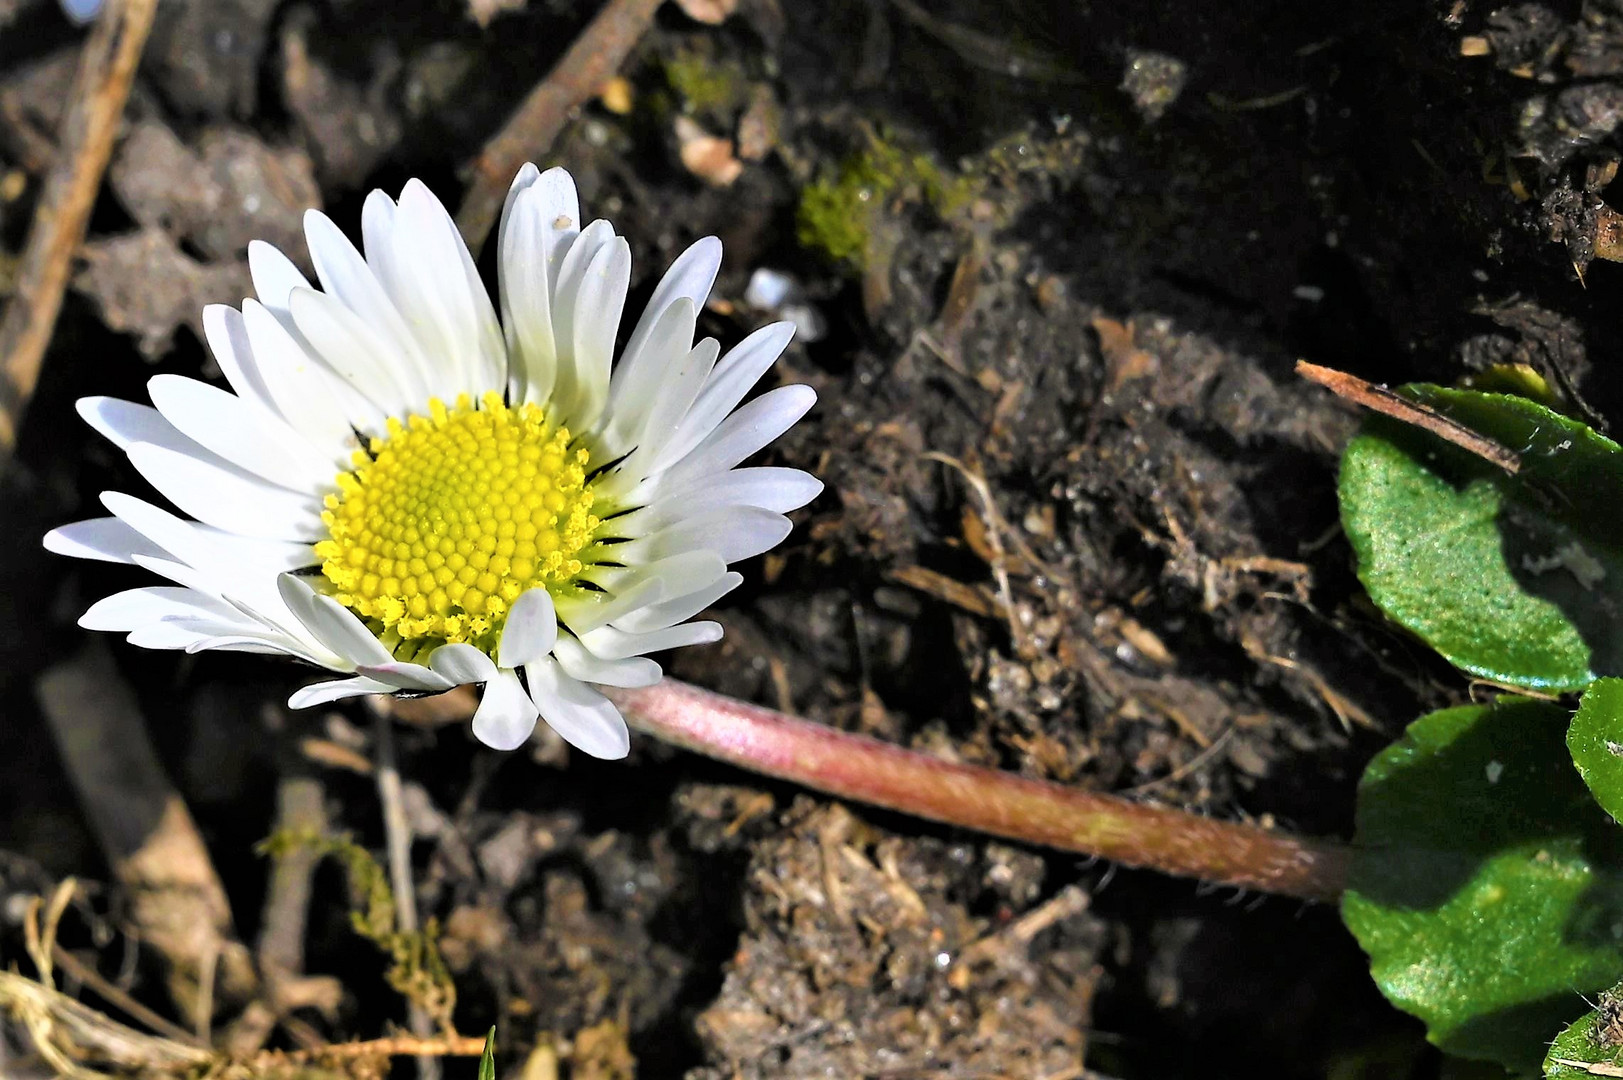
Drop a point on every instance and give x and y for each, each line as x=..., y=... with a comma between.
x=450, y=517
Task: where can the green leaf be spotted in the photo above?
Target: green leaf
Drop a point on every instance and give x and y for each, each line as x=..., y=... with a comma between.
x=1595, y=740
x=1517, y=579
x=1594, y=1039
x=1486, y=885
x=487, y=1060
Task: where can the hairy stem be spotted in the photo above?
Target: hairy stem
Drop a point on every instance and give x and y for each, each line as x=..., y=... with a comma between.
x=1034, y=811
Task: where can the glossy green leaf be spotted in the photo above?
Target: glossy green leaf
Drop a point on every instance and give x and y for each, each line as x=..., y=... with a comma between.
x=1595, y=1038
x=1595, y=740
x=1486, y=885
x=1518, y=579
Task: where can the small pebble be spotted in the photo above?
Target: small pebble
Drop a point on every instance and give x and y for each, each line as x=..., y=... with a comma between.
x=81, y=12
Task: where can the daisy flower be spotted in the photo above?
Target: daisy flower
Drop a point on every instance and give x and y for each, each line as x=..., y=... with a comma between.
x=404, y=489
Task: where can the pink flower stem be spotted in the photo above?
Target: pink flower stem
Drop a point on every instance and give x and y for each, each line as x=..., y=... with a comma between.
x=857, y=767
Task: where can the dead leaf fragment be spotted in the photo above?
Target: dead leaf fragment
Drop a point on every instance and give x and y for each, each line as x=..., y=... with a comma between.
x=709, y=12
x=707, y=156
x=1123, y=358
x=617, y=95
x=482, y=11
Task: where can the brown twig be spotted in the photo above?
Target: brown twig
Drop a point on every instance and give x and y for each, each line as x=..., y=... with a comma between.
x=857, y=767
x=1385, y=402
x=100, y=89
x=177, y=902
x=300, y=808
x=590, y=62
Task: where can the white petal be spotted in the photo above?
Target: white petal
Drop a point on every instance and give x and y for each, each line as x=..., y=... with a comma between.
x=526, y=295
x=225, y=557
x=579, y=663
x=690, y=277
x=406, y=676
x=638, y=379
x=593, y=321
x=677, y=392
x=767, y=488
x=734, y=375
x=323, y=692
x=228, y=342
x=210, y=630
x=102, y=539
x=334, y=625
x=291, y=636
x=585, y=718
x=315, y=415
x=346, y=277
x=611, y=644
x=243, y=434
x=530, y=630
x=678, y=575
x=567, y=278
x=137, y=607
x=558, y=205
x=259, y=645
x=165, y=635
x=124, y=423
x=678, y=608
x=275, y=277
x=304, y=386
x=582, y=611
x=227, y=497
x=734, y=533
x=350, y=347
x=743, y=433
x=462, y=664
x=506, y=715
x=523, y=180
x=377, y=237
x=441, y=295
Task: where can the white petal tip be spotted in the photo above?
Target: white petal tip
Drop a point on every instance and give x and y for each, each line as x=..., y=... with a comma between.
x=527, y=175
x=506, y=716
x=503, y=737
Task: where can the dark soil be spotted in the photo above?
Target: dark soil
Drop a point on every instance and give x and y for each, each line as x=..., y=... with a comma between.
x=1080, y=520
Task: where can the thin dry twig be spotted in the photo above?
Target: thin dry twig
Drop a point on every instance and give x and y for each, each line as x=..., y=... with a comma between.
x=858, y=767
x=84, y=146
x=1069, y=901
x=995, y=528
x=1385, y=402
x=111, y=994
x=397, y=836
x=590, y=62
x=395, y=1046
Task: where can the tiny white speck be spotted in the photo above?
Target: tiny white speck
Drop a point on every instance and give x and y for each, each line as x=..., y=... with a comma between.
x=1311, y=293
x=1494, y=770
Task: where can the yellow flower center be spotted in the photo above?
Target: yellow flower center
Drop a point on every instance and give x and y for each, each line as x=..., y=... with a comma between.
x=444, y=522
